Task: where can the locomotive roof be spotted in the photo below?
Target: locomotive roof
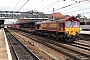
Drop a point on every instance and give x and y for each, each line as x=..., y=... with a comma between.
x=60, y=20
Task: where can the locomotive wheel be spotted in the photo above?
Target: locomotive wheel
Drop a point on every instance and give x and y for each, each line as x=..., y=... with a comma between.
x=49, y=35
x=69, y=40
x=57, y=38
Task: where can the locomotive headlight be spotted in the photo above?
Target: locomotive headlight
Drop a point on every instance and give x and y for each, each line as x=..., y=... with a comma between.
x=67, y=32
x=77, y=33
x=72, y=33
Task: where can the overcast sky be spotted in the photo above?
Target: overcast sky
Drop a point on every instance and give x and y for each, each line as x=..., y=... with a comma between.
x=40, y=5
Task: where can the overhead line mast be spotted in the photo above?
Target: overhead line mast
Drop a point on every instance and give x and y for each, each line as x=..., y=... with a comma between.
x=53, y=13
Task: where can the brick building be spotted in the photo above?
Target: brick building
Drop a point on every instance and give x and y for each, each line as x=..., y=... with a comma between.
x=57, y=15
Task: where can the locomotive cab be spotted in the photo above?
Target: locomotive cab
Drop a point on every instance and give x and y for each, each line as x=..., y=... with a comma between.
x=72, y=28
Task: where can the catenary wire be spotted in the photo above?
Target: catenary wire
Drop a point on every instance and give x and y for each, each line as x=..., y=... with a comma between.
x=23, y=5
x=68, y=6
x=85, y=12
x=52, y=5
x=16, y=5
x=62, y=7
x=49, y=5
x=76, y=10
x=76, y=6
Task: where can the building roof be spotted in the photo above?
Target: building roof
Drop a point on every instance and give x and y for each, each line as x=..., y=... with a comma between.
x=58, y=15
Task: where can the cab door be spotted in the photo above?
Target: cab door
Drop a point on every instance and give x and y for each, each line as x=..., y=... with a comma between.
x=61, y=26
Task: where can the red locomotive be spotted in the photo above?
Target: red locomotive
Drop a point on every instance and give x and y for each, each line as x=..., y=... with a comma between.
x=66, y=29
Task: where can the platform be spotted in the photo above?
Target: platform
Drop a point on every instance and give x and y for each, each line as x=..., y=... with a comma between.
x=4, y=49
x=85, y=32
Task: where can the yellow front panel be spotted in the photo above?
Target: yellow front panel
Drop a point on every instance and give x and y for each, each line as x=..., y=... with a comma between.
x=53, y=25
x=72, y=31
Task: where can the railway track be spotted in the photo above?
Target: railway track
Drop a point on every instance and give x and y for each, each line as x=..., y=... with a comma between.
x=78, y=44
x=20, y=51
x=66, y=49
x=85, y=37
x=81, y=45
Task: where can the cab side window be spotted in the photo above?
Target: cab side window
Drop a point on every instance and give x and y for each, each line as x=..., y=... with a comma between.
x=38, y=26
x=61, y=25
